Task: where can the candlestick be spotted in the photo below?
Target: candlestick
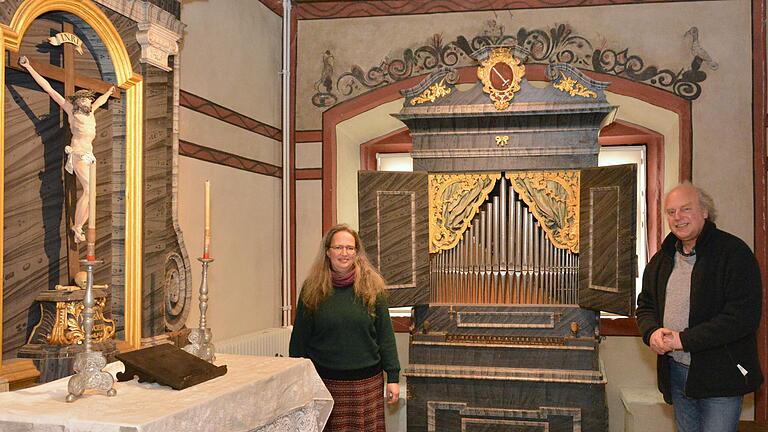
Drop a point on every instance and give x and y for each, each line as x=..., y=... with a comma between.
x=207, y=232
x=200, y=338
x=89, y=363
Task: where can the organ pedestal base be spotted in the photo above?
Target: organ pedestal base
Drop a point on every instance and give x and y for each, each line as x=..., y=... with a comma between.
x=500, y=368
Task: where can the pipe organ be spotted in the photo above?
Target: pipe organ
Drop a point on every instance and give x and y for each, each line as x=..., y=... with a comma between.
x=507, y=240
x=504, y=257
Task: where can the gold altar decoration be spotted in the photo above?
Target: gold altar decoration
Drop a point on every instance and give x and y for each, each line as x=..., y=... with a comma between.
x=433, y=93
x=573, y=88
x=132, y=83
x=553, y=198
x=453, y=201
x=501, y=74
x=68, y=328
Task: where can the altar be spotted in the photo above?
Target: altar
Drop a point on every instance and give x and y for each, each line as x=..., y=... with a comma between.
x=258, y=394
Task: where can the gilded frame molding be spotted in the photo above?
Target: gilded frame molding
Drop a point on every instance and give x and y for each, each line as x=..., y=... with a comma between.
x=132, y=83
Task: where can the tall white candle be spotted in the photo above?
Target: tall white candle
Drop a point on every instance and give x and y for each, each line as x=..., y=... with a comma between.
x=92, y=196
x=91, y=237
x=207, y=231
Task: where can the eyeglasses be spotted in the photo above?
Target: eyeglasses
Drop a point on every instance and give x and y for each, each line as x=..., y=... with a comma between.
x=339, y=249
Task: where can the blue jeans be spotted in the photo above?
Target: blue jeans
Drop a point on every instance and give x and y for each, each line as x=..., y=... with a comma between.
x=714, y=414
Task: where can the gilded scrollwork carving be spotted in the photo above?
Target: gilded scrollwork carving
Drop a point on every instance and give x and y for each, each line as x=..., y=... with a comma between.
x=68, y=327
x=454, y=200
x=573, y=88
x=433, y=93
x=553, y=198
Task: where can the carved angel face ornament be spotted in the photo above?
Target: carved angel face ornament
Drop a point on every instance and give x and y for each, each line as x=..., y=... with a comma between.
x=342, y=252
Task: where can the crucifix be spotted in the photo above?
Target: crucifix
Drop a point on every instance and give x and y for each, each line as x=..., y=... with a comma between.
x=71, y=81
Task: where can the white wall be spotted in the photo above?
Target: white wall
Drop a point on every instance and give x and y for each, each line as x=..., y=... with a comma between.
x=231, y=55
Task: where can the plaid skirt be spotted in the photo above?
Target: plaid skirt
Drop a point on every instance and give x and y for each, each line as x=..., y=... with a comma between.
x=358, y=406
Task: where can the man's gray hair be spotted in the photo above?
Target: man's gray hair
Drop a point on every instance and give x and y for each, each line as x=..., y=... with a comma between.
x=706, y=201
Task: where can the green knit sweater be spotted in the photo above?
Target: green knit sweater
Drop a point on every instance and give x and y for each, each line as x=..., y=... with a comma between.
x=341, y=335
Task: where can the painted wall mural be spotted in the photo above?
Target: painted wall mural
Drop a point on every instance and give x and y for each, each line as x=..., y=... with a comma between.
x=557, y=44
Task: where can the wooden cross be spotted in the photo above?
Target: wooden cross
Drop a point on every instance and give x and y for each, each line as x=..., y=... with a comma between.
x=72, y=81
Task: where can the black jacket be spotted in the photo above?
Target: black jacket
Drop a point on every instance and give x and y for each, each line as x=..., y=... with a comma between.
x=726, y=301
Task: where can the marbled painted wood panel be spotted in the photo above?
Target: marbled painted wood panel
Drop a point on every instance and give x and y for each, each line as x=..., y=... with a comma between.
x=394, y=228
x=162, y=255
x=7, y=9
x=520, y=320
x=493, y=403
x=542, y=128
x=171, y=6
x=607, y=234
x=35, y=254
x=127, y=30
x=513, y=379
x=502, y=355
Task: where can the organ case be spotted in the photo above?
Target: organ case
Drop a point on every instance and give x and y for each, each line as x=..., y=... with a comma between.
x=508, y=243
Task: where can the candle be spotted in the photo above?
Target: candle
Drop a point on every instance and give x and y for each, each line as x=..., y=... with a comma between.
x=92, y=196
x=91, y=240
x=207, y=231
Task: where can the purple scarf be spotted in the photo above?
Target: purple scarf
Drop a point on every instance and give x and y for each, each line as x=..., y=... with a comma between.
x=341, y=280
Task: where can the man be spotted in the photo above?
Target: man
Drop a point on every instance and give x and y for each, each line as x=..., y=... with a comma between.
x=82, y=123
x=699, y=311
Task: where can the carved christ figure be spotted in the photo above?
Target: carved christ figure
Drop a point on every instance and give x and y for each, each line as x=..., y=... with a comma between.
x=82, y=123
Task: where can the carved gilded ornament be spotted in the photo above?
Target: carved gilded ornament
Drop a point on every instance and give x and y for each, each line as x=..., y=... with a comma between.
x=68, y=329
x=501, y=74
x=502, y=140
x=453, y=201
x=553, y=198
x=573, y=88
x=433, y=93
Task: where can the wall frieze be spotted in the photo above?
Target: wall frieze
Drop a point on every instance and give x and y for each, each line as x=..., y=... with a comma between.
x=356, y=9
x=556, y=44
x=219, y=157
x=212, y=109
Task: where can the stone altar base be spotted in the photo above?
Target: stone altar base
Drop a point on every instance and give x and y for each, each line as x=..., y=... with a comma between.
x=57, y=361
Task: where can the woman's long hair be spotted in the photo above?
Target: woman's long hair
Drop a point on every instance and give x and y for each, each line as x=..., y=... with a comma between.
x=317, y=286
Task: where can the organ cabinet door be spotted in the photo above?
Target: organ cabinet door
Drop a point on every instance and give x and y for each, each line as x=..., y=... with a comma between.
x=486, y=232
x=607, y=234
x=392, y=209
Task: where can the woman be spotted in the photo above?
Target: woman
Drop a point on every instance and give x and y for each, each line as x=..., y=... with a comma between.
x=343, y=326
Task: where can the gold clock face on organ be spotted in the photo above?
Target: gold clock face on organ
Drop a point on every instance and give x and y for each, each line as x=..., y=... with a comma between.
x=501, y=76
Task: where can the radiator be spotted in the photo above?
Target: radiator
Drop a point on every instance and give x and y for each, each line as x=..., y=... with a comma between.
x=270, y=342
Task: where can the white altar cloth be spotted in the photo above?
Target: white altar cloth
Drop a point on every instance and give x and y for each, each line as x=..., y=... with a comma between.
x=257, y=394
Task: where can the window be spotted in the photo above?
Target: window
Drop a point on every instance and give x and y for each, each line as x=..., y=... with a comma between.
x=394, y=162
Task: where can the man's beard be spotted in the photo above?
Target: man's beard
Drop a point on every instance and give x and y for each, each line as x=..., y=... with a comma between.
x=78, y=108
